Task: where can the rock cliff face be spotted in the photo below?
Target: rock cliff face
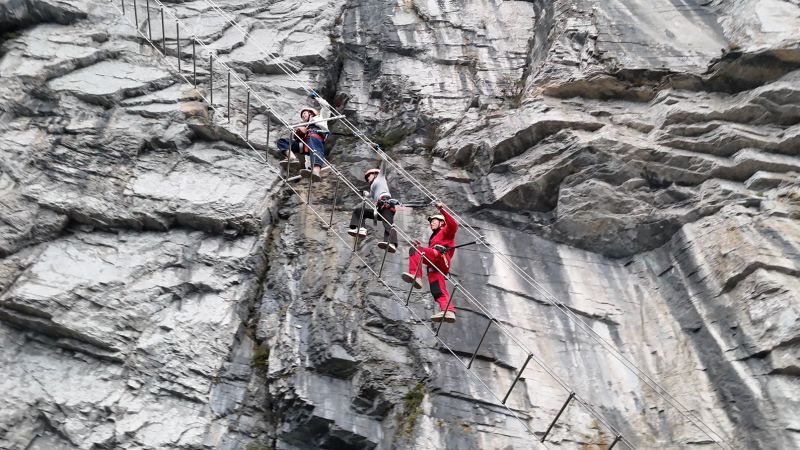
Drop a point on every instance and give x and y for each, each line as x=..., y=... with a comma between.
x=161, y=288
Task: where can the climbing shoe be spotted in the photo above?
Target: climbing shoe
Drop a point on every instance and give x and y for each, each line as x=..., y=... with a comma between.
x=448, y=317
x=294, y=164
x=408, y=278
x=305, y=173
x=357, y=231
x=391, y=247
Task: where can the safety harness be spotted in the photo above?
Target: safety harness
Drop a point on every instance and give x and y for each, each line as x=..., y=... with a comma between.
x=310, y=133
x=384, y=202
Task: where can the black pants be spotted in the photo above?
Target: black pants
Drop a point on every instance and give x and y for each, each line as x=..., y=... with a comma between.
x=385, y=215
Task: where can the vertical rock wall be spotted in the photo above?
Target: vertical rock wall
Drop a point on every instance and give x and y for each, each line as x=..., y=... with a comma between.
x=159, y=288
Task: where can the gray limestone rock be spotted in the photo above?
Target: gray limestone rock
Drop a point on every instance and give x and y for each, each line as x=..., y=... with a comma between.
x=160, y=287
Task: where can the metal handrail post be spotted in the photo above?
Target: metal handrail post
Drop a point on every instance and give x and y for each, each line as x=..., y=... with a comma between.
x=247, y=119
x=475, y=353
x=149, y=29
x=360, y=221
x=555, y=419
x=419, y=266
x=194, y=63
x=163, y=34
x=335, y=193
x=310, y=183
x=449, y=301
x=178, y=44
x=519, y=374
x=383, y=261
x=266, y=149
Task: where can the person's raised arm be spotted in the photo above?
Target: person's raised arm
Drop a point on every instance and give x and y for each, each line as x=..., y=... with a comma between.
x=450, y=224
x=324, y=108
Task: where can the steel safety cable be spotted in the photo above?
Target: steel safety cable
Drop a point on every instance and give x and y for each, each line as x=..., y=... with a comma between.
x=299, y=195
x=397, y=298
x=243, y=83
x=373, y=145
x=272, y=56
x=471, y=298
x=258, y=158
x=641, y=374
x=385, y=156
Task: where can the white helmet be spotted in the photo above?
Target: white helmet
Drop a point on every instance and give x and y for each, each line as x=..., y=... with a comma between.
x=313, y=112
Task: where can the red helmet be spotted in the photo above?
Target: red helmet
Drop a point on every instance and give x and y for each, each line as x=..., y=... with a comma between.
x=370, y=172
x=313, y=112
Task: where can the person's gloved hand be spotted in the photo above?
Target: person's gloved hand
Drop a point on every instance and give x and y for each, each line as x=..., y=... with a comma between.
x=440, y=248
x=416, y=243
x=313, y=94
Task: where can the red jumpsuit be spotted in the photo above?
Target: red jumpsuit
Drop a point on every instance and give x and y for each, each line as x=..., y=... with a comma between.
x=445, y=236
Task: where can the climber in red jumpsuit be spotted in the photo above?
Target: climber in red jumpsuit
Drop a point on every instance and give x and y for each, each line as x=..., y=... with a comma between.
x=438, y=254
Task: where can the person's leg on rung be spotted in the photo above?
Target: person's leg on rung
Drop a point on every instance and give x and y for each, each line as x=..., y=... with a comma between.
x=317, y=155
x=356, y=216
x=439, y=292
x=414, y=274
x=386, y=215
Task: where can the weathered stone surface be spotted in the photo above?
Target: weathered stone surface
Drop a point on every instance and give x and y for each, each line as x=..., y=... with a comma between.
x=142, y=357
x=15, y=14
x=160, y=288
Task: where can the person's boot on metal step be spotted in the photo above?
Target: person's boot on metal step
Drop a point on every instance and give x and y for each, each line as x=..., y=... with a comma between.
x=293, y=150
